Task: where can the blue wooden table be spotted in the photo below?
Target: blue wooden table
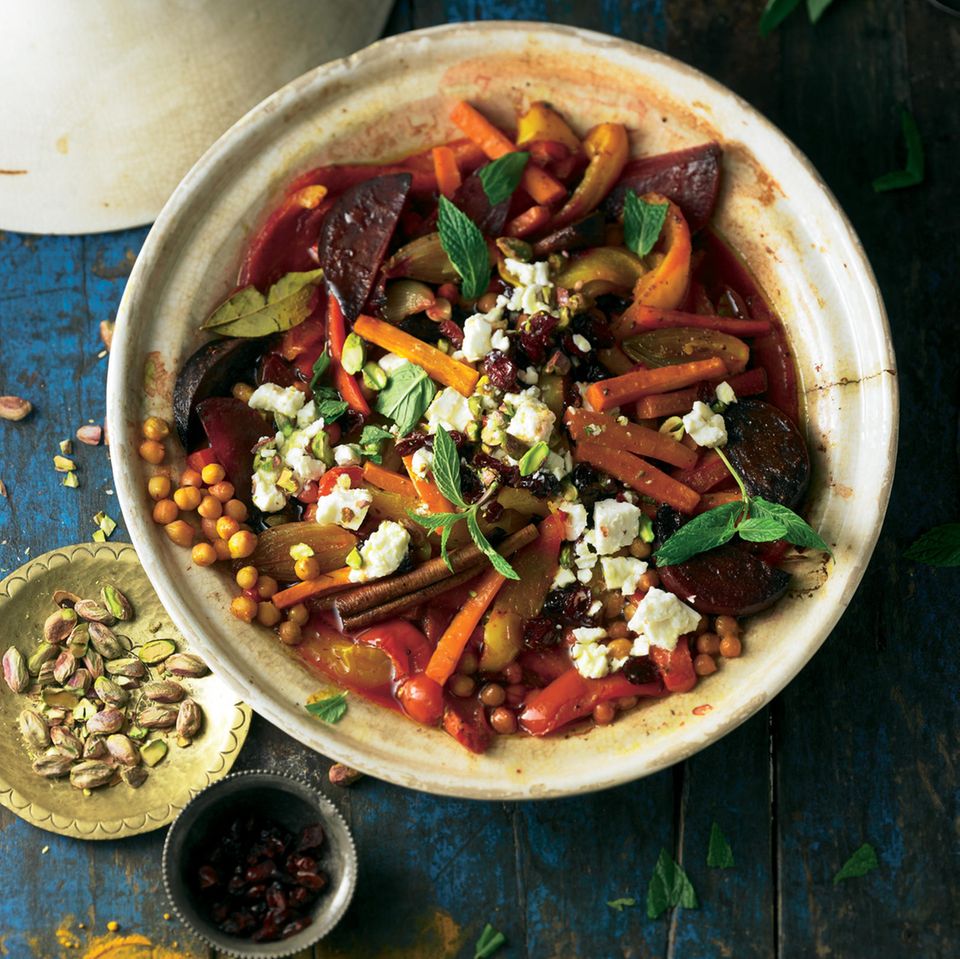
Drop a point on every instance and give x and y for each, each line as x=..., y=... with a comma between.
x=862, y=747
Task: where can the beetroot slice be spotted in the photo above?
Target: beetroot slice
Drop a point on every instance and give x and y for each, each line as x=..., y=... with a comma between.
x=590, y=231
x=472, y=199
x=768, y=452
x=726, y=581
x=233, y=430
x=691, y=178
x=355, y=235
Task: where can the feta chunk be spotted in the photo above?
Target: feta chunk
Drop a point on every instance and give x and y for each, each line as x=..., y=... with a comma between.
x=385, y=549
x=615, y=525
x=706, y=427
x=564, y=577
x=308, y=415
x=305, y=467
x=422, y=462
x=266, y=496
x=581, y=343
x=661, y=619
x=623, y=573
x=532, y=294
x=574, y=520
x=588, y=654
x=725, y=393
x=390, y=363
x=450, y=410
x=288, y=401
x=478, y=332
x=584, y=557
x=533, y=420
x=343, y=505
x=530, y=376
x=346, y=454
x=500, y=341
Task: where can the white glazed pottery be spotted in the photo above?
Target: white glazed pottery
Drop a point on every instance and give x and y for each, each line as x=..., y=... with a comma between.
x=388, y=100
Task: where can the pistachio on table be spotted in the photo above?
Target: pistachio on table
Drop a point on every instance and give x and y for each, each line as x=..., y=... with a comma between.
x=78, y=642
x=189, y=719
x=64, y=667
x=90, y=774
x=94, y=663
x=157, y=717
x=186, y=665
x=44, y=653
x=134, y=776
x=58, y=626
x=153, y=752
x=66, y=740
x=81, y=679
x=129, y=666
x=107, y=691
x=61, y=696
x=95, y=747
x=108, y=720
x=63, y=597
x=118, y=604
x=104, y=641
x=156, y=651
x=45, y=676
x=52, y=766
x=15, y=672
x=94, y=612
x=123, y=749
x=164, y=691
x=34, y=729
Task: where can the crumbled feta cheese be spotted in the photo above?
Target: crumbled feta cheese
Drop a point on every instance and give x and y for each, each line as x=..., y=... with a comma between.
x=725, y=393
x=307, y=415
x=575, y=520
x=385, y=549
x=615, y=525
x=287, y=401
x=500, y=341
x=581, y=343
x=594, y=607
x=346, y=454
x=344, y=506
x=623, y=572
x=588, y=654
x=564, y=577
x=450, y=410
x=494, y=430
x=266, y=496
x=305, y=468
x=390, y=363
x=422, y=462
x=478, y=332
x=584, y=575
x=530, y=376
x=706, y=427
x=533, y=420
x=532, y=294
x=584, y=557
x=661, y=618
x=300, y=551
x=557, y=465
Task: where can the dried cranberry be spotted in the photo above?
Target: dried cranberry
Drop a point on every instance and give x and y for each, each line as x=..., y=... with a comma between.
x=422, y=327
x=449, y=330
x=666, y=523
x=299, y=896
x=349, y=421
x=509, y=475
x=312, y=880
x=262, y=870
x=470, y=485
x=595, y=328
x=208, y=877
x=569, y=605
x=236, y=885
x=275, y=897
x=412, y=442
x=501, y=370
x=256, y=891
x=542, y=484
x=535, y=335
x=640, y=670
x=219, y=912
x=299, y=862
x=591, y=369
x=492, y=511
x=540, y=633
x=298, y=925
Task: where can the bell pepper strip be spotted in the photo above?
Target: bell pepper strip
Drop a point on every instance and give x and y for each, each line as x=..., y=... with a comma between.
x=306, y=339
x=446, y=170
x=571, y=697
x=542, y=122
x=749, y=383
x=466, y=721
x=388, y=480
x=530, y=221
x=347, y=385
x=606, y=394
x=438, y=365
x=676, y=666
x=427, y=491
x=601, y=428
x=709, y=501
x=326, y=584
x=604, y=269
x=607, y=148
x=638, y=474
x=638, y=318
x=364, y=669
x=329, y=479
x=200, y=458
x=535, y=180
x=406, y=645
x=665, y=286
x=452, y=643
x=709, y=472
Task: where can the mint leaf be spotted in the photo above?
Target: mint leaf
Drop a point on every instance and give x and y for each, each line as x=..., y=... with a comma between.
x=761, y=530
x=863, y=860
x=446, y=467
x=796, y=529
x=719, y=853
x=439, y=521
x=912, y=174
x=330, y=409
x=463, y=242
x=331, y=709
x=501, y=177
x=939, y=546
x=496, y=560
x=620, y=904
x=706, y=531
x=406, y=396
x=774, y=13
x=489, y=942
x=815, y=9
x=320, y=366
x=374, y=434
x=642, y=223
x=669, y=887
x=249, y=313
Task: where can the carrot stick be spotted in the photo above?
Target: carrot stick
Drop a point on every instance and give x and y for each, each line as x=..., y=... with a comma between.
x=710, y=501
x=605, y=430
x=390, y=481
x=639, y=475
x=709, y=472
x=531, y=220
x=450, y=647
x=638, y=318
x=605, y=394
x=331, y=582
x=447, y=171
x=431, y=497
x=439, y=366
x=749, y=383
x=347, y=385
x=536, y=181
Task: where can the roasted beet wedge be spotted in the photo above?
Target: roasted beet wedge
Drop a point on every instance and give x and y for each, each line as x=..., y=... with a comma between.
x=473, y=200
x=233, y=430
x=691, y=178
x=275, y=369
x=726, y=581
x=768, y=451
x=355, y=235
x=590, y=231
x=213, y=369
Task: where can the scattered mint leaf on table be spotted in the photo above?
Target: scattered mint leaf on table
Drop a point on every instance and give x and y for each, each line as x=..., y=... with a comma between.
x=642, y=223
x=331, y=709
x=719, y=853
x=669, y=887
x=620, y=904
x=502, y=177
x=463, y=242
x=489, y=942
x=406, y=396
x=862, y=861
x=939, y=546
x=912, y=174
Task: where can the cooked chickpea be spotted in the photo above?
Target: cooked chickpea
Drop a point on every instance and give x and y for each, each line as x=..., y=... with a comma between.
x=639, y=549
x=619, y=648
x=152, y=451
x=626, y=702
x=267, y=586
x=187, y=497
x=298, y=614
x=191, y=477
x=604, y=713
x=612, y=605
x=629, y=610
x=486, y=302
x=159, y=487
x=242, y=544
x=468, y=663
x=209, y=527
x=461, y=685
x=155, y=428
x=245, y=608
x=306, y=568
x=212, y=473
x=165, y=511
x=268, y=614
x=649, y=580
x=492, y=694
x=708, y=643
x=247, y=577
x=226, y=527
x=704, y=665
x=221, y=548
x=503, y=720
x=516, y=693
x=289, y=633
x=618, y=629
x=242, y=392
x=179, y=532
x=203, y=554
x=730, y=647
x=727, y=626
x=223, y=491
x=236, y=509
x=210, y=507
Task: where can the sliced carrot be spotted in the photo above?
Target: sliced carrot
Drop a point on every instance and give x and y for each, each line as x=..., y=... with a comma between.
x=536, y=181
x=710, y=501
x=638, y=474
x=427, y=491
x=439, y=366
x=331, y=582
x=709, y=472
x=605, y=394
x=749, y=383
x=347, y=385
x=638, y=318
x=452, y=643
x=531, y=220
x=388, y=480
x=447, y=171
x=605, y=430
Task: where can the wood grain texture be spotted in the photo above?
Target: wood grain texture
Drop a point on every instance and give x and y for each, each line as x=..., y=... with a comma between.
x=861, y=747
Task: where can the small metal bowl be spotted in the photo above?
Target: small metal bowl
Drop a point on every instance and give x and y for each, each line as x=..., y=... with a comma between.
x=292, y=803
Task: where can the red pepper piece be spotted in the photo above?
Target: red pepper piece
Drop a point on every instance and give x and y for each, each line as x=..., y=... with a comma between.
x=407, y=647
x=346, y=384
x=676, y=666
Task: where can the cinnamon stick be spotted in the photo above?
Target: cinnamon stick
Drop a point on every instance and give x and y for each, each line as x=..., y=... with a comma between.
x=381, y=591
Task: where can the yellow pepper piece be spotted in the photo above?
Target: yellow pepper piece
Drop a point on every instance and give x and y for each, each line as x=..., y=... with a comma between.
x=607, y=147
x=542, y=122
x=665, y=286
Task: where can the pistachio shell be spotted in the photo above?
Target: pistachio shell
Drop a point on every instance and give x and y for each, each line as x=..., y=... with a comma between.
x=34, y=729
x=15, y=672
x=186, y=664
x=90, y=774
x=156, y=651
x=93, y=612
x=58, y=626
x=116, y=602
x=63, y=597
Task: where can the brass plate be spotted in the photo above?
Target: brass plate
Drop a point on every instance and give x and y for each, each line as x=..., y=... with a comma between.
x=113, y=811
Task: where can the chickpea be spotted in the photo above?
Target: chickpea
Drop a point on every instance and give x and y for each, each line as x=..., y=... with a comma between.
x=626, y=702
x=639, y=549
x=461, y=685
x=210, y=507
x=152, y=451
x=703, y=626
x=289, y=633
x=226, y=527
x=618, y=629
x=492, y=694
x=159, y=487
x=212, y=473
x=730, y=647
x=486, y=302
x=306, y=568
x=468, y=663
x=247, y=577
x=513, y=673
x=179, y=532
x=242, y=544
x=236, y=509
x=187, y=497
x=298, y=614
x=221, y=548
x=155, y=428
x=191, y=477
x=516, y=693
x=245, y=608
x=629, y=610
x=649, y=580
x=704, y=665
x=267, y=586
x=268, y=615
x=223, y=491
x=612, y=605
x=242, y=392
x=708, y=643
x=619, y=648
x=604, y=713
x=503, y=720
x=727, y=626
x=203, y=554
x=165, y=511
x=209, y=527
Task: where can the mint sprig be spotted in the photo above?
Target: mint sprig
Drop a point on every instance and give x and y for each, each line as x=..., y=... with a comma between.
x=642, y=223
x=669, y=887
x=463, y=242
x=406, y=396
x=502, y=177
